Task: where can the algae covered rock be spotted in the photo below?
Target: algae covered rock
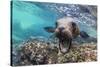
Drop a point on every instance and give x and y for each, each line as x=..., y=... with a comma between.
x=38, y=52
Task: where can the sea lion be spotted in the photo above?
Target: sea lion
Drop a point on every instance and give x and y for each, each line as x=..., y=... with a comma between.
x=65, y=30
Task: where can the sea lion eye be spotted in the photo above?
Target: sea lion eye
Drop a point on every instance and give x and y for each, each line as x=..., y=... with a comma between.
x=73, y=24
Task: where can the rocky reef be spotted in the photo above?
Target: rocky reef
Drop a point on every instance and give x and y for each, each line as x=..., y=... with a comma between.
x=36, y=52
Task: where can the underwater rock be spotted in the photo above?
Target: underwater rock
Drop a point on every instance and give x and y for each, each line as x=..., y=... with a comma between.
x=36, y=52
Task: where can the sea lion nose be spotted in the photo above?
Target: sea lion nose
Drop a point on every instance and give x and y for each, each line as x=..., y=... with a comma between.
x=61, y=28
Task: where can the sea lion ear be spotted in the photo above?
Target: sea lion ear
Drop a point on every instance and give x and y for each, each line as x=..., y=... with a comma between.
x=49, y=29
x=75, y=29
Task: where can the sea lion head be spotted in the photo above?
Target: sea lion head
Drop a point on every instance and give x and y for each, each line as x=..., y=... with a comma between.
x=64, y=27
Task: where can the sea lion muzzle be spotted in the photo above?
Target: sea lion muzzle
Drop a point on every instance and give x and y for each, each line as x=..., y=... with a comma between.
x=61, y=29
x=65, y=40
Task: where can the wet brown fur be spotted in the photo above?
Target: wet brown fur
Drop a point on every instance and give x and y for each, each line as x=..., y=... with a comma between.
x=71, y=30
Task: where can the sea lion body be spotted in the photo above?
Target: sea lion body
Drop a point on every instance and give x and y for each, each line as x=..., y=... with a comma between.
x=65, y=30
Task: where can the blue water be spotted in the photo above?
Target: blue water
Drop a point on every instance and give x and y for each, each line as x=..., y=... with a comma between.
x=29, y=18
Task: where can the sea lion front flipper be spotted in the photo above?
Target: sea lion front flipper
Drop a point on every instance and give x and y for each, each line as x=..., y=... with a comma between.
x=83, y=34
x=49, y=29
